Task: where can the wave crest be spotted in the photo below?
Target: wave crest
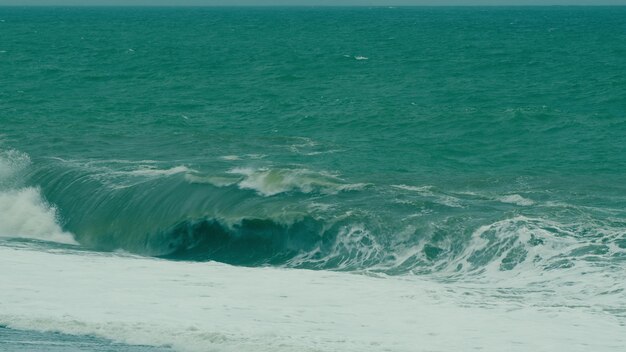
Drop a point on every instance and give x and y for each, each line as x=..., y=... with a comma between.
x=270, y=182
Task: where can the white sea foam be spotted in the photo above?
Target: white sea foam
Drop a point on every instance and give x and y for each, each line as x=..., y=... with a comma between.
x=211, y=307
x=12, y=162
x=324, y=207
x=233, y=157
x=309, y=147
x=543, y=240
x=256, y=156
x=24, y=214
x=230, y=157
x=437, y=197
x=358, y=57
x=270, y=182
x=152, y=171
x=304, y=146
x=544, y=257
x=128, y=173
x=23, y=211
x=425, y=189
x=121, y=161
x=354, y=239
x=516, y=199
x=118, y=173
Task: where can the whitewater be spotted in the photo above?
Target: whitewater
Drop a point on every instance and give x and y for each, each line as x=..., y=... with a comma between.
x=216, y=307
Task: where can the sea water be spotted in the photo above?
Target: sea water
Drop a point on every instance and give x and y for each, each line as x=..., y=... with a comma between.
x=313, y=179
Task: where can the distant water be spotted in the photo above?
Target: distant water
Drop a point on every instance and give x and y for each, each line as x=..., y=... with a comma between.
x=481, y=150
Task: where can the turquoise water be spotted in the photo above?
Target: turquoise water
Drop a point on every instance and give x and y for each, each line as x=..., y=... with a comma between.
x=453, y=143
x=29, y=341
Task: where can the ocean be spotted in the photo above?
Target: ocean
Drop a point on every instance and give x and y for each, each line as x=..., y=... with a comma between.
x=313, y=179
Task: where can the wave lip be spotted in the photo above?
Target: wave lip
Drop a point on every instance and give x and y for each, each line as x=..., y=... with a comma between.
x=270, y=182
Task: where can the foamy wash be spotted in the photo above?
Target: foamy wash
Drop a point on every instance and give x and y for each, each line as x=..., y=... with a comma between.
x=454, y=179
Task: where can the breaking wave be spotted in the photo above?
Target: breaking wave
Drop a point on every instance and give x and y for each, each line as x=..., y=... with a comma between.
x=294, y=217
x=24, y=213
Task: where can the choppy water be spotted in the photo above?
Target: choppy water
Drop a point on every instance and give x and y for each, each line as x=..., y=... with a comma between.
x=483, y=149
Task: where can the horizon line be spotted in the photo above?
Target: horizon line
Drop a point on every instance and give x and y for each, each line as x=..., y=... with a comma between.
x=318, y=6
